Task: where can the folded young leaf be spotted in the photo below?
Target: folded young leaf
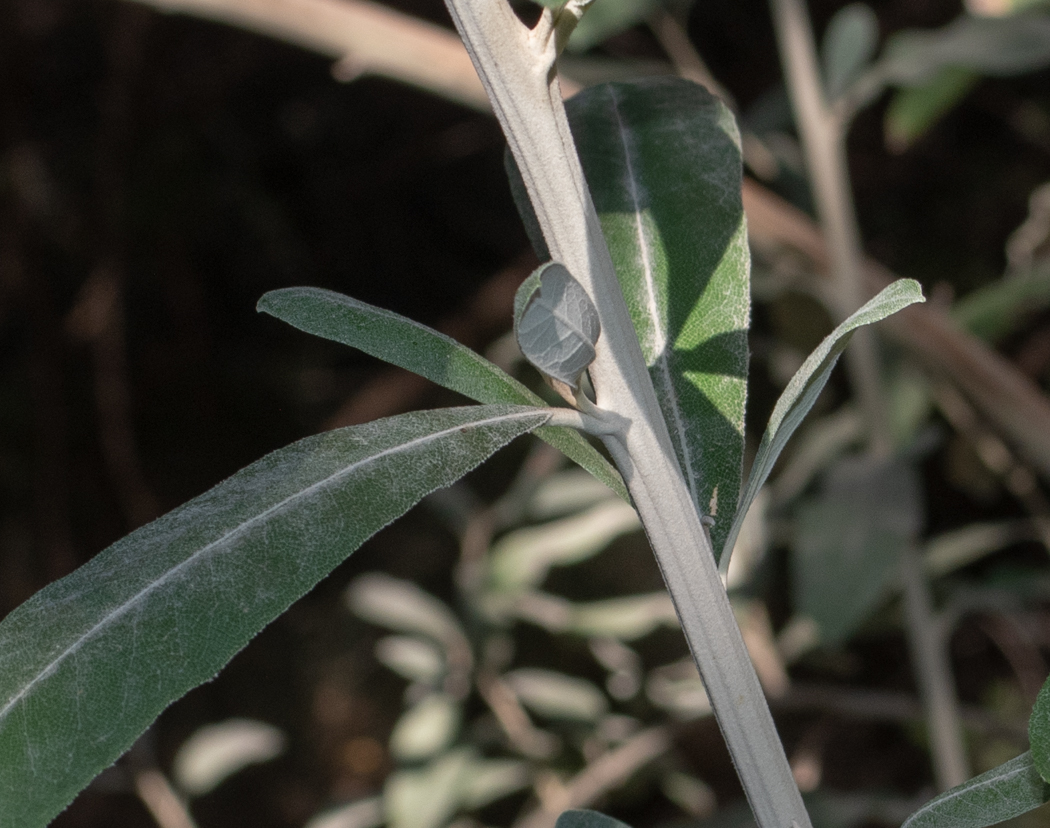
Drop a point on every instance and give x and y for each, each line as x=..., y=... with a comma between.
x=804, y=388
x=662, y=160
x=422, y=350
x=1013, y=788
x=89, y=662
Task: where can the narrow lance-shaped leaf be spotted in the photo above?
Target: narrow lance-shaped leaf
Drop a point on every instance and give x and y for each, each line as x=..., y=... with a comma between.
x=422, y=350
x=89, y=662
x=804, y=388
x=662, y=159
x=1013, y=788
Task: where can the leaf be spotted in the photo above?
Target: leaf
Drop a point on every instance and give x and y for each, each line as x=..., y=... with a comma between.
x=913, y=110
x=401, y=605
x=424, y=351
x=849, y=539
x=804, y=388
x=849, y=44
x=587, y=819
x=1002, y=793
x=426, y=798
x=522, y=558
x=1039, y=732
x=556, y=324
x=557, y=695
x=89, y=662
x=627, y=618
x=426, y=728
x=662, y=159
x=412, y=658
x=217, y=751
x=995, y=310
x=996, y=46
x=492, y=779
x=608, y=18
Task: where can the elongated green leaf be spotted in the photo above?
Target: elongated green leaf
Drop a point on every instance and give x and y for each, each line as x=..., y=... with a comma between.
x=1039, y=732
x=805, y=387
x=913, y=110
x=995, y=46
x=1002, y=793
x=87, y=663
x=424, y=351
x=853, y=533
x=849, y=43
x=662, y=159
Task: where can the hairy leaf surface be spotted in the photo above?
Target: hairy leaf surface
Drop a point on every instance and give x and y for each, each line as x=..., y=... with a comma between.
x=89, y=662
x=1013, y=788
x=422, y=350
x=662, y=159
x=804, y=388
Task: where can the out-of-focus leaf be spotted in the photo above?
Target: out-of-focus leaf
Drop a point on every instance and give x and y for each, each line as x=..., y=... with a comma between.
x=364, y=813
x=401, y=605
x=849, y=44
x=997, y=46
x=961, y=547
x=522, y=558
x=89, y=662
x=557, y=695
x=556, y=323
x=1039, y=732
x=662, y=159
x=607, y=18
x=412, y=658
x=997, y=309
x=492, y=779
x=1013, y=788
x=426, y=798
x=678, y=689
x=216, y=752
x=426, y=728
x=626, y=618
x=587, y=819
x=572, y=490
x=424, y=351
x=913, y=110
x=805, y=387
x=849, y=540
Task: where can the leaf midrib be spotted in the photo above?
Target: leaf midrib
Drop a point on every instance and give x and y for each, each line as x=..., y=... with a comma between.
x=142, y=594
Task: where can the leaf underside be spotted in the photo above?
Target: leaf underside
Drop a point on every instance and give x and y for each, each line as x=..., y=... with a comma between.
x=662, y=160
x=422, y=350
x=89, y=662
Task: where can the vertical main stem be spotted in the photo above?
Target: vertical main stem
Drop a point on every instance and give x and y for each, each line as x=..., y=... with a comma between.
x=517, y=68
x=824, y=144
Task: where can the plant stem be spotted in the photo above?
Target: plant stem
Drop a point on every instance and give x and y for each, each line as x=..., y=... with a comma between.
x=823, y=134
x=517, y=68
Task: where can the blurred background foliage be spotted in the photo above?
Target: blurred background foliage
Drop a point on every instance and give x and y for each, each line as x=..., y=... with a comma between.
x=506, y=650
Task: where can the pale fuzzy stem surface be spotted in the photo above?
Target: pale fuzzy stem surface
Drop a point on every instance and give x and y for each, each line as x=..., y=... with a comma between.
x=824, y=146
x=516, y=67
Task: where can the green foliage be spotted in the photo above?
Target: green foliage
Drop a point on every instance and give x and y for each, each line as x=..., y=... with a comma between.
x=914, y=109
x=587, y=819
x=849, y=44
x=424, y=351
x=91, y=660
x=1013, y=788
x=662, y=159
x=804, y=388
x=1039, y=732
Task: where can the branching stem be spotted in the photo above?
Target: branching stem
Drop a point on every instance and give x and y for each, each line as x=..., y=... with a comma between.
x=515, y=67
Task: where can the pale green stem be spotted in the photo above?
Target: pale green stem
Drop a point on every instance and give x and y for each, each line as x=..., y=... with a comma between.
x=823, y=134
x=517, y=68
